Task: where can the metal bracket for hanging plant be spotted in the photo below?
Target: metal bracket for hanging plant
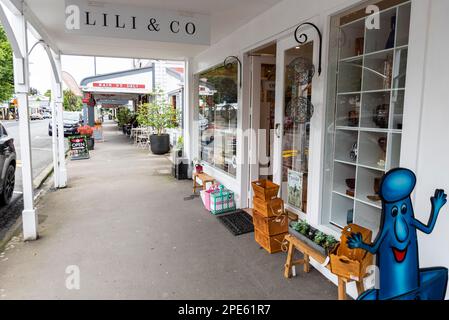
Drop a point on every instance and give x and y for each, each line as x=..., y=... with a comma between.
x=303, y=38
x=229, y=61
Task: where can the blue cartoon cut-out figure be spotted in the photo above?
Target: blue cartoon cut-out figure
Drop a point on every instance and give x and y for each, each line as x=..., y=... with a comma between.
x=396, y=246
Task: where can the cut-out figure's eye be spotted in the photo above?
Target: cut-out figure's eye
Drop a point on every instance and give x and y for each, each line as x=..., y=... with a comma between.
x=394, y=211
x=404, y=209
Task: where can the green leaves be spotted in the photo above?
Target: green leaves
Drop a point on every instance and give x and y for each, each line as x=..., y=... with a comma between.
x=72, y=102
x=158, y=114
x=6, y=68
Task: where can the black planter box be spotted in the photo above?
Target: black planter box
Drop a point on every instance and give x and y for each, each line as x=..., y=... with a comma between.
x=306, y=240
x=180, y=170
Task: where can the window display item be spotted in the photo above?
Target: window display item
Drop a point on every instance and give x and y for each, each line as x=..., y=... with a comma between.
x=351, y=187
x=376, y=196
x=353, y=118
x=380, y=116
x=353, y=153
x=359, y=44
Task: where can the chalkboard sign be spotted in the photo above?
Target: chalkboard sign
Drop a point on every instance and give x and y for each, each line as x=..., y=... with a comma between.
x=78, y=148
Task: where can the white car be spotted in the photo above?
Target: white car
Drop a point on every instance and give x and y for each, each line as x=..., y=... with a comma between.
x=36, y=116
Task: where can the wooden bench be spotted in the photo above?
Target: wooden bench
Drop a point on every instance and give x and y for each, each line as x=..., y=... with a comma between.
x=308, y=252
x=204, y=178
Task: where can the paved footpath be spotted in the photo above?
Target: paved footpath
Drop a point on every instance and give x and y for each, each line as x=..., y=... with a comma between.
x=124, y=223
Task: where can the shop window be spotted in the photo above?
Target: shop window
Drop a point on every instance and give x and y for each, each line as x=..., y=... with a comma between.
x=364, y=112
x=217, y=118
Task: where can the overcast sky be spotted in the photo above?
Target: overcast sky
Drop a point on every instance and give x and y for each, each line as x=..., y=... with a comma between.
x=79, y=67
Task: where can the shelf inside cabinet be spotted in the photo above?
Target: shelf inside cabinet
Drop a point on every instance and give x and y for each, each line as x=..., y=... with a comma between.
x=378, y=70
x=346, y=145
x=375, y=110
x=368, y=183
x=344, y=179
x=372, y=149
x=383, y=37
x=350, y=76
x=367, y=216
x=342, y=210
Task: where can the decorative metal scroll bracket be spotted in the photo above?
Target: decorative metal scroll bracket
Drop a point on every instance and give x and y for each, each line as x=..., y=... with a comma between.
x=303, y=38
x=228, y=64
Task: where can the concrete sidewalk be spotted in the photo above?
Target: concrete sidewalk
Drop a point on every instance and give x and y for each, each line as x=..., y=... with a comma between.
x=124, y=222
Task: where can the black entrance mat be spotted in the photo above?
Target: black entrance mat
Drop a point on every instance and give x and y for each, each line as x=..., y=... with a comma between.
x=237, y=222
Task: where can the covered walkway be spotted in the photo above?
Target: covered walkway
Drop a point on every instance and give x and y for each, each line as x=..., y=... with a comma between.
x=124, y=222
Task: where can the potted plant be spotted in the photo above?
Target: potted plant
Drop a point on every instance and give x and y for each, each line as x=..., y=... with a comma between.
x=124, y=116
x=88, y=132
x=160, y=116
x=180, y=146
x=314, y=238
x=197, y=165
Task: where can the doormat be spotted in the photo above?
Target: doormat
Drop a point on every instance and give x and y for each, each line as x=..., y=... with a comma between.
x=238, y=222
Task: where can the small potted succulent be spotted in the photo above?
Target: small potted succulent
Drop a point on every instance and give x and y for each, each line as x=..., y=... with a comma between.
x=88, y=132
x=316, y=239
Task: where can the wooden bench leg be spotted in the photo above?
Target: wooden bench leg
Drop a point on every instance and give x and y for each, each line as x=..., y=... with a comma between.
x=288, y=263
x=341, y=289
x=306, y=263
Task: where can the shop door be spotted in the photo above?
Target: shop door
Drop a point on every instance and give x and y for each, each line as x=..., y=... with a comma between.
x=263, y=80
x=294, y=110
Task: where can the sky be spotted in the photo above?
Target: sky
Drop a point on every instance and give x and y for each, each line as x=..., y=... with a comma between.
x=79, y=67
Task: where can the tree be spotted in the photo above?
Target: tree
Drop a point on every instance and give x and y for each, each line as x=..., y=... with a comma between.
x=72, y=102
x=48, y=93
x=6, y=68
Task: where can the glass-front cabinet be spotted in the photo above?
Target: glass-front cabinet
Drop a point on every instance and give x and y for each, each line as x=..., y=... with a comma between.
x=364, y=111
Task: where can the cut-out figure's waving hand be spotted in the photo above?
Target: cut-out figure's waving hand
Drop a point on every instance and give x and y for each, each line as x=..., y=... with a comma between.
x=355, y=241
x=438, y=200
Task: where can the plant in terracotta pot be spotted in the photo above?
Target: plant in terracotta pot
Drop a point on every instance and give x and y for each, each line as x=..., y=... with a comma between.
x=88, y=132
x=160, y=116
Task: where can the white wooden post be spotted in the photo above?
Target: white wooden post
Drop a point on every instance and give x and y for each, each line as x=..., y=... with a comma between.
x=59, y=99
x=21, y=79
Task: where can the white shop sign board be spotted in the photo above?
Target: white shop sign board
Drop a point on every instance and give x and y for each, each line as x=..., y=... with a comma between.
x=133, y=22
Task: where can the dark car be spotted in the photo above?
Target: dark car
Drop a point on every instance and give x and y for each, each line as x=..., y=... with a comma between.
x=7, y=166
x=72, y=121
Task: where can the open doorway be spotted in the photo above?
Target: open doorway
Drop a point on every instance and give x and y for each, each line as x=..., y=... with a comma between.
x=262, y=119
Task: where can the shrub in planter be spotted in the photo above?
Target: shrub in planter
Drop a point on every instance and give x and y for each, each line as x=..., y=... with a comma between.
x=88, y=132
x=160, y=116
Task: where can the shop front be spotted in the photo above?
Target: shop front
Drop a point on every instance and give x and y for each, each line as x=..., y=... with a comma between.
x=321, y=102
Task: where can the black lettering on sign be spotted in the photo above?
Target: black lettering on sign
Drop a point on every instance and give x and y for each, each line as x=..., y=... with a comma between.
x=117, y=22
x=153, y=26
x=88, y=19
x=134, y=23
x=190, y=28
x=105, y=19
x=172, y=26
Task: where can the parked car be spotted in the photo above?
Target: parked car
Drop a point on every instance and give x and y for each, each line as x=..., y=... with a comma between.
x=46, y=115
x=7, y=166
x=72, y=121
x=36, y=116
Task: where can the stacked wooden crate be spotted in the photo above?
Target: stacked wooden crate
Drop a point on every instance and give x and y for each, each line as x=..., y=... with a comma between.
x=269, y=218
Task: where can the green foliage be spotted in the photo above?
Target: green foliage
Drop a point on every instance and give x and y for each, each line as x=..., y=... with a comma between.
x=72, y=102
x=302, y=227
x=48, y=93
x=180, y=143
x=319, y=238
x=330, y=242
x=158, y=114
x=124, y=116
x=6, y=68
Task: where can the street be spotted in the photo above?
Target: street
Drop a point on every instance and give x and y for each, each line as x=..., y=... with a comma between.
x=41, y=144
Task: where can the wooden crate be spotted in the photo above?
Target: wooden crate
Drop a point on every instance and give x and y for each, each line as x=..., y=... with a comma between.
x=354, y=254
x=265, y=189
x=348, y=268
x=269, y=209
x=270, y=226
x=272, y=244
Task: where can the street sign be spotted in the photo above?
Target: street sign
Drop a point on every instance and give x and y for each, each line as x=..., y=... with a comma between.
x=78, y=148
